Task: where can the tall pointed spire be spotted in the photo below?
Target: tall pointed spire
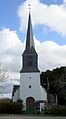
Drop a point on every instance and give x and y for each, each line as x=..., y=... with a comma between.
x=29, y=38
x=29, y=56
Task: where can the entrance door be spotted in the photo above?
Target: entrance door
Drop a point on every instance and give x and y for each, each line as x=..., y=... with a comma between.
x=30, y=104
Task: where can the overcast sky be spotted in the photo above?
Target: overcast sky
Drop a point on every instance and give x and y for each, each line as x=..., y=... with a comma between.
x=49, y=30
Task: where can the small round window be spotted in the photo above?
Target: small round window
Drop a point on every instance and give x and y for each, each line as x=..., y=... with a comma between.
x=29, y=86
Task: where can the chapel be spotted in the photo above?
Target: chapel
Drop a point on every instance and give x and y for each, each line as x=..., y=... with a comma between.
x=30, y=90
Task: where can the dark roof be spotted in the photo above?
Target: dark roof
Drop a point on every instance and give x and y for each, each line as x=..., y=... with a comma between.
x=29, y=56
x=15, y=87
x=29, y=38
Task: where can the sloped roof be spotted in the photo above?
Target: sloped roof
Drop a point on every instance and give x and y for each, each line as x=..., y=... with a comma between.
x=15, y=87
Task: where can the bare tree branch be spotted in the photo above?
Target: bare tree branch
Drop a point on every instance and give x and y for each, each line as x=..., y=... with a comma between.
x=3, y=74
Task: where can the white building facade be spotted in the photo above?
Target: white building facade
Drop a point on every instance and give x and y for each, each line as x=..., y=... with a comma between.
x=31, y=92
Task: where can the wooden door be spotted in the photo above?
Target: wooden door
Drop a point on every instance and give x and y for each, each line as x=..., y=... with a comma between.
x=30, y=104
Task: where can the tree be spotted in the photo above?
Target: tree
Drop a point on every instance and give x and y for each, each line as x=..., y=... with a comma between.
x=57, y=83
x=3, y=74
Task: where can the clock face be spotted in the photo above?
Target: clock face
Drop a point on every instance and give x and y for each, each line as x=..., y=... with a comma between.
x=30, y=61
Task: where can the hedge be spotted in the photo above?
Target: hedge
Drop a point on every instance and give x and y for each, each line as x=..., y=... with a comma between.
x=55, y=110
x=10, y=107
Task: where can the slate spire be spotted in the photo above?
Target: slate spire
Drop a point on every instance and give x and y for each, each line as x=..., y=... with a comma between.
x=29, y=56
x=29, y=38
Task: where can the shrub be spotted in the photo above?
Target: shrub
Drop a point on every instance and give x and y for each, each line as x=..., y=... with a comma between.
x=56, y=110
x=10, y=107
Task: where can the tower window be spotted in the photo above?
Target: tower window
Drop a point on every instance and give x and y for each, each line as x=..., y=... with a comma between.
x=29, y=77
x=29, y=61
x=29, y=86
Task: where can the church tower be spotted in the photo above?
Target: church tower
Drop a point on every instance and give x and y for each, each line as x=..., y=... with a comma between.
x=30, y=89
x=30, y=57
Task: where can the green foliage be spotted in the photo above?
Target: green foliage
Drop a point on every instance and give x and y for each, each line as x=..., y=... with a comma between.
x=57, y=83
x=10, y=107
x=20, y=101
x=55, y=110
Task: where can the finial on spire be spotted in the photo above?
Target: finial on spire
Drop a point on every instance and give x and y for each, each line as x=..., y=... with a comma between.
x=29, y=5
x=29, y=38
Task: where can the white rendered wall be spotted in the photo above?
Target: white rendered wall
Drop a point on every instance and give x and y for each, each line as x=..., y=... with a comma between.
x=32, y=79
x=43, y=94
x=16, y=95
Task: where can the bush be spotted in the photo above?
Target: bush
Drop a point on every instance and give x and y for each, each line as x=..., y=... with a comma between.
x=10, y=107
x=56, y=110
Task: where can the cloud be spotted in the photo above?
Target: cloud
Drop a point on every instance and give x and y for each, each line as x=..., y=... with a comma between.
x=51, y=55
x=11, y=49
x=64, y=1
x=52, y=16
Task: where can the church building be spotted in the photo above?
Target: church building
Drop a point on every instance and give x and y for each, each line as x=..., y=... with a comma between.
x=31, y=91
